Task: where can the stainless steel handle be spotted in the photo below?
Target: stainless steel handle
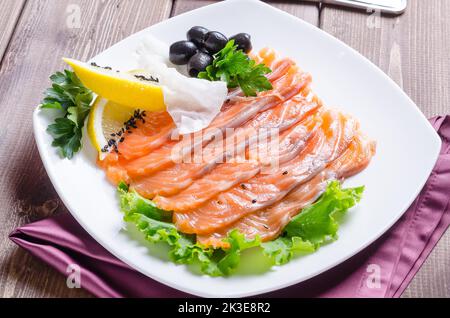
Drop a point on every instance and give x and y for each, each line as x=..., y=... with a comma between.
x=386, y=6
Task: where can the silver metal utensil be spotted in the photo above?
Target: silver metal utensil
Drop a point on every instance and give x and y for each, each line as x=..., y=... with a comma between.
x=386, y=6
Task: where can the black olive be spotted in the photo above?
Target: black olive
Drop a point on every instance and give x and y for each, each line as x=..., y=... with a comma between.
x=243, y=41
x=180, y=52
x=197, y=35
x=203, y=50
x=215, y=41
x=198, y=63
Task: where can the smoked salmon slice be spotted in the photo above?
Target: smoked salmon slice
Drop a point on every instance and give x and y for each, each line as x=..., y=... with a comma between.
x=227, y=175
x=330, y=140
x=143, y=140
x=145, y=144
x=172, y=180
x=231, y=118
x=145, y=137
x=269, y=223
x=291, y=84
x=222, y=177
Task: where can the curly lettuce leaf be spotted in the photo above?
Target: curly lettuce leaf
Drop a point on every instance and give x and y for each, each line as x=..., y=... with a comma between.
x=238, y=243
x=306, y=232
x=282, y=249
x=155, y=225
x=132, y=202
x=319, y=221
x=315, y=225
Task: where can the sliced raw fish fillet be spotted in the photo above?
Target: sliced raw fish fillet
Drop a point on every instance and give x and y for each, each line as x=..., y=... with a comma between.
x=181, y=175
x=150, y=143
x=233, y=117
x=289, y=85
x=333, y=137
x=227, y=175
x=147, y=136
x=269, y=223
x=114, y=171
x=142, y=141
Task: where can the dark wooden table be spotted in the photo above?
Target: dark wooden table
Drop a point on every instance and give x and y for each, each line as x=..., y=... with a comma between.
x=413, y=49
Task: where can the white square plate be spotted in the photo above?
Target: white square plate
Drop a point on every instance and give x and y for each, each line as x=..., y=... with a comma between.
x=407, y=148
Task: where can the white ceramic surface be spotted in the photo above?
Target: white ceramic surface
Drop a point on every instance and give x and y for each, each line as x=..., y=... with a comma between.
x=407, y=148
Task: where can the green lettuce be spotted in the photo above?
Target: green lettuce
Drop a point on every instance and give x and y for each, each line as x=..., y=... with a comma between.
x=316, y=225
x=306, y=232
x=132, y=203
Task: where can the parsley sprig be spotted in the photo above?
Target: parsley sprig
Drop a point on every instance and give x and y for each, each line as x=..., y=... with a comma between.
x=237, y=70
x=69, y=96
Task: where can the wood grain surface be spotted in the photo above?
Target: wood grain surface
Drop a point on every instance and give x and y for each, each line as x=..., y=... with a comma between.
x=413, y=49
x=47, y=31
x=9, y=15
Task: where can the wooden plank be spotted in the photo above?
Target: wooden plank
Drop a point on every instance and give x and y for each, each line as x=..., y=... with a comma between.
x=9, y=15
x=414, y=49
x=182, y=6
x=47, y=31
x=306, y=11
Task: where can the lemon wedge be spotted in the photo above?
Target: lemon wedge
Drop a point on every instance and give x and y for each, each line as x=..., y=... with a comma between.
x=132, y=90
x=106, y=118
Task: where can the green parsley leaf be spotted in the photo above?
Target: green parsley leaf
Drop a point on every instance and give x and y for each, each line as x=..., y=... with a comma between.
x=236, y=69
x=55, y=105
x=68, y=95
x=66, y=136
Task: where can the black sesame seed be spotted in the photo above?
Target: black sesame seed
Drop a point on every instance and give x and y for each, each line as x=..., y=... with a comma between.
x=253, y=201
x=285, y=173
x=148, y=79
x=243, y=186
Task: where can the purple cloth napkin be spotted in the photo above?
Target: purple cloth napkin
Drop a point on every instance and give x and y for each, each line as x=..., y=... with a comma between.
x=384, y=269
